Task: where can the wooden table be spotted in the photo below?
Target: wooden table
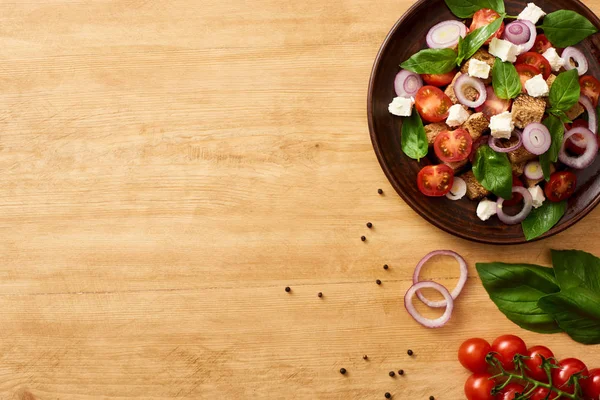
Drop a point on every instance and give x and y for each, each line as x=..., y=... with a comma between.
x=168, y=167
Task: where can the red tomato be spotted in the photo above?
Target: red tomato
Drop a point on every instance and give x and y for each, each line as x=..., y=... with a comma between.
x=590, y=87
x=576, y=143
x=493, y=104
x=435, y=180
x=484, y=17
x=507, y=346
x=432, y=104
x=439, y=80
x=534, y=363
x=537, y=60
x=453, y=146
x=472, y=352
x=567, y=368
x=477, y=144
x=516, y=197
x=591, y=387
x=541, y=43
x=561, y=186
x=479, y=387
x=526, y=72
x=510, y=391
x=542, y=394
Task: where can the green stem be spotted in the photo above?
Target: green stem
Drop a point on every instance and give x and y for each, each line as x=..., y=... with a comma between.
x=511, y=16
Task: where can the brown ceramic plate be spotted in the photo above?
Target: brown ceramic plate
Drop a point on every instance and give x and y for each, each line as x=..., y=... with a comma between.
x=458, y=217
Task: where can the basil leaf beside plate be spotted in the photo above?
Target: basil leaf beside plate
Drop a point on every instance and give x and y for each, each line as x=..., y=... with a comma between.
x=574, y=268
x=493, y=171
x=414, y=140
x=565, y=28
x=557, y=129
x=540, y=220
x=431, y=61
x=565, y=91
x=474, y=40
x=466, y=8
x=505, y=80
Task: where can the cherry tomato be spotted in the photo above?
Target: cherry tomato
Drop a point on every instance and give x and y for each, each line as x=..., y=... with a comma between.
x=567, y=368
x=537, y=60
x=534, y=363
x=541, y=43
x=561, y=186
x=590, y=87
x=435, y=180
x=493, y=104
x=479, y=387
x=526, y=72
x=516, y=197
x=439, y=80
x=432, y=104
x=477, y=144
x=472, y=352
x=541, y=393
x=453, y=146
x=483, y=17
x=576, y=143
x=591, y=387
x=507, y=346
x=510, y=391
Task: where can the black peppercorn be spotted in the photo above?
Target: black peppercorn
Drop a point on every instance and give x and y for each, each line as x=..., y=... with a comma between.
x=431, y=398
x=365, y=357
x=342, y=371
x=369, y=225
x=410, y=352
x=388, y=395
x=380, y=191
x=386, y=266
x=392, y=373
x=363, y=238
x=320, y=294
x=378, y=282
x=287, y=289
x=401, y=372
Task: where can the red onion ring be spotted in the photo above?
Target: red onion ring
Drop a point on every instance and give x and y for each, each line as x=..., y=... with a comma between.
x=464, y=81
x=523, y=48
x=575, y=54
x=455, y=29
x=464, y=272
x=533, y=170
x=427, y=322
x=527, y=206
x=587, y=158
x=517, y=32
x=407, y=83
x=492, y=143
x=592, y=117
x=536, y=138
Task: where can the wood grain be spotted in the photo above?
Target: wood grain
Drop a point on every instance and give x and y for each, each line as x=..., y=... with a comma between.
x=169, y=167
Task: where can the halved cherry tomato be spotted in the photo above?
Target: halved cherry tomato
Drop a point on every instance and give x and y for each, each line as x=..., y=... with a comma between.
x=439, y=80
x=537, y=60
x=483, y=17
x=493, y=104
x=576, y=143
x=516, y=197
x=541, y=393
x=453, y=146
x=472, y=352
x=561, y=186
x=590, y=87
x=479, y=387
x=510, y=391
x=591, y=387
x=435, y=180
x=506, y=347
x=534, y=363
x=432, y=104
x=526, y=72
x=566, y=369
x=541, y=43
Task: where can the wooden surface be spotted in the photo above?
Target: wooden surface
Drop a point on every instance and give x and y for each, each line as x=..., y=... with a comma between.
x=169, y=167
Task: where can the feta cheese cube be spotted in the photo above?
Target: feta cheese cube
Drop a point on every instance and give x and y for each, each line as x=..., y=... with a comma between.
x=532, y=13
x=479, y=69
x=504, y=50
x=401, y=106
x=502, y=125
x=537, y=194
x=537, y=86
x=485, y=209
x=556, y=61
x=457, y=115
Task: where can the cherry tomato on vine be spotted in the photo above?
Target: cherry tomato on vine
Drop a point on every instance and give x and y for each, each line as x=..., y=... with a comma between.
x=591, y=387
x=510, y=391
x=534, y=363
x=567, y=368
x=507, y=346
x=541, y=393
x=479, y=387
x=472, y=352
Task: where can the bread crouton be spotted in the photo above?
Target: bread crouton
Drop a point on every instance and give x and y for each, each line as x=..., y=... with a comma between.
x=527, y=109
x=474, y=189
x=518, y=169
x=550, y=80
x=458, y=166
x=575, y=111
x=481, y=55
x=433, y=130
x=532, y=182
x=470, y=93
x=476, y=124
x=518, y=156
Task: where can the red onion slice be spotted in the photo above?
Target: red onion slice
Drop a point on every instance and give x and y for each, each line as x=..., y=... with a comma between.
x=587, y=158
x=458, y=190
x=517, y=32
x=462, y=83
x=533, y=170
x=427, y=322
x=492, y=143
x=578, y=58
x=523, y=48
x=407, y=83
x=536, y=138
x=592, y=117
x=527, y=206
x=446, y=34
x=461, y=280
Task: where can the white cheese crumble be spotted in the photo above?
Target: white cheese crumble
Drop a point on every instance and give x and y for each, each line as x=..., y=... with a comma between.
x=479, y=69
x=537, y=86
x=401, y=106
x=457, y=115
x=502, y=125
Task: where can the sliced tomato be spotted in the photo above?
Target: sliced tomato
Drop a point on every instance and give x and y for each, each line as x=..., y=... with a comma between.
x=432, y=104
x=537, y=60
x=439, y=80
x=493, y=105
x=590, y=87
x=435, y=180
x=576, y=144
x=561, y=186
x=484, y=17
x=516, y=197
x=541, y=43
x=526, y=72
x=453, y=146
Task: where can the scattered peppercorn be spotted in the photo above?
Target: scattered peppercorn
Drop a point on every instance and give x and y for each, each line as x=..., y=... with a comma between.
x=401, y=372
x=410, y=352
x=342, y=371
x=388, y=395
x=378, y=282
x=431, y=398
x=365, y=357
x=369, y=225
x=287, y=289
x=392, y=373
x=386, y=266
x=380, y=191
x=363, y=238
x=320, y=294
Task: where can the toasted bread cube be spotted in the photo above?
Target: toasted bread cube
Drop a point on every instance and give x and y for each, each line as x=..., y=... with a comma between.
x=481, y=55
x=476, y=125
x=457, y=166
x=575, y=111
x=470, y=93
x=550, y=80
x=433, y=130
x=520, y=155
x=474, y=189
x=527, y=109
x=532, y=182
x=518, y=169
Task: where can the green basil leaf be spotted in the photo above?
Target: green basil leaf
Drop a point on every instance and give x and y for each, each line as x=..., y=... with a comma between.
x=543, y=218
x=474, y=40
x=466, y=8
x=557, y=130
x=505, y=80
x=565, y=28
x=574, y=268
x=577, y=312
x=565, y=91
x=516, y=290
x=431, y=61
x=493, y=171
x=414, y=139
